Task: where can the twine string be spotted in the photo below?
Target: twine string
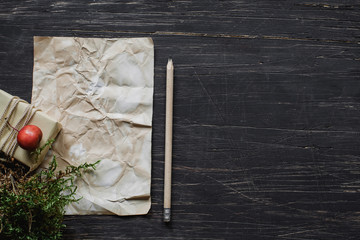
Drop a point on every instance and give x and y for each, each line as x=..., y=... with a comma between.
x=10, y=143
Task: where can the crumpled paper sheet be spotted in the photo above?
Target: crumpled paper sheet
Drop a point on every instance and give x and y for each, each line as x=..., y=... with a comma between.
x=101, y=91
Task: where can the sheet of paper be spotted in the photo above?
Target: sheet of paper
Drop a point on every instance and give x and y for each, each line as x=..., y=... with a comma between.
x=101, y=91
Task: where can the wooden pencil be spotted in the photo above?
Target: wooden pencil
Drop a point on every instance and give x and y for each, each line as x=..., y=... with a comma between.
x=168, y=139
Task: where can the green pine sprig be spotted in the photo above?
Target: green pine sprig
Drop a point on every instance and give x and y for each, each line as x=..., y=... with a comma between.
x=33, y=207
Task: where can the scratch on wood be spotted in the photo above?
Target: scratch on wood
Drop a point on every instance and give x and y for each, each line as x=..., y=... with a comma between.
x=222, y=35
x=319, y=5
x=208, y=95
x=235, y=190
x=304, y=231
x=274, y=129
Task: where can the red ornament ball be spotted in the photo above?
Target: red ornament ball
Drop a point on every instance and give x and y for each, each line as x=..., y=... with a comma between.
x=29, y=137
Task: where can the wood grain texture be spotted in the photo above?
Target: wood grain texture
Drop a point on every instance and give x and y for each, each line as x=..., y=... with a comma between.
x=266, y=111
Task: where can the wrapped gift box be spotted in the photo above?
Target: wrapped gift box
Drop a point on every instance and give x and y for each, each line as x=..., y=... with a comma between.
x=49, y=127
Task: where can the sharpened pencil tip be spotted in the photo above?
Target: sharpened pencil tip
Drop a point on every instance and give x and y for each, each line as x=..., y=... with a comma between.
x=170, y=64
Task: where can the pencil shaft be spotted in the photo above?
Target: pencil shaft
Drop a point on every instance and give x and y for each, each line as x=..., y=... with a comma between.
x=168, y=133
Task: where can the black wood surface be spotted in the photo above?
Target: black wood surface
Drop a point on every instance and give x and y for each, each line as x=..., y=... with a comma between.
x=266, y=111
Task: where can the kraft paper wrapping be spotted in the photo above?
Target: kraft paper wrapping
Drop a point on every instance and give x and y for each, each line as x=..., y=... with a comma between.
x=101, y=91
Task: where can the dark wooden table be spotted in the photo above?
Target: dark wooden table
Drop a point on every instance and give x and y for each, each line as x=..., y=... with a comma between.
x=266, y=111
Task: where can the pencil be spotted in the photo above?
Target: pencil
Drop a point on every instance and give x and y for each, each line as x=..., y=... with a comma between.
x=168, y=139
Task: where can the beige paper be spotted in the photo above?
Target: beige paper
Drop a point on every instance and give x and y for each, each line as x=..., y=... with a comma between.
x=101, y=90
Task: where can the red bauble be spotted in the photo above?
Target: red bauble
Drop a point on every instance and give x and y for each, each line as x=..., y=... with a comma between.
x=29, y=137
